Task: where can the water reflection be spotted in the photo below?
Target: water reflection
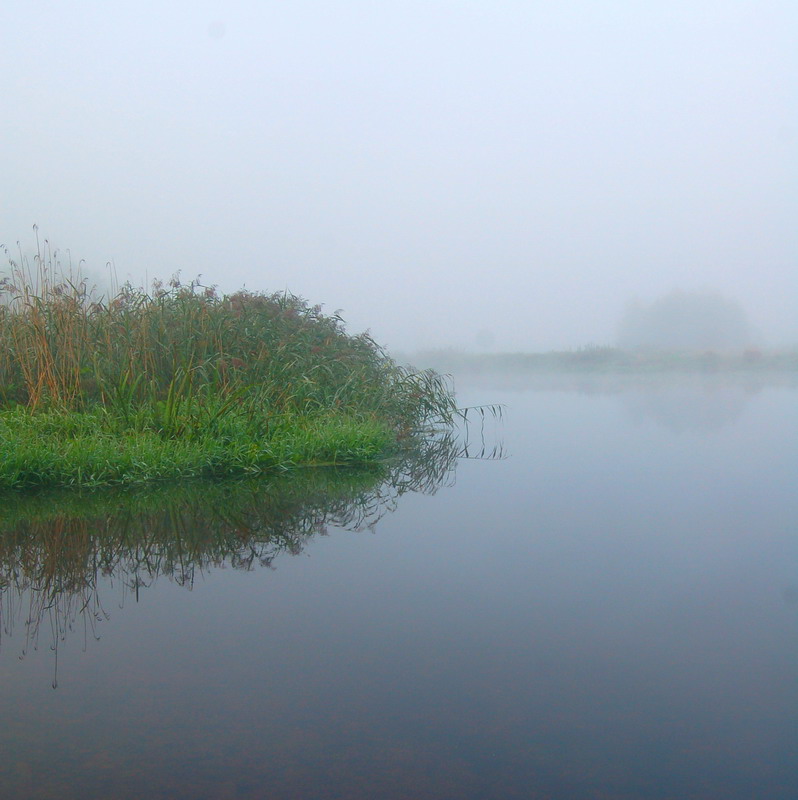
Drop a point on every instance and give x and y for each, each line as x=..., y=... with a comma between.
x=58, y=548
x=697, y=406
x=679, y=403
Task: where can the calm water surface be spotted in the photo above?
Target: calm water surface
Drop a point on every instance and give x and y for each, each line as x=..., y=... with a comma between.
x=609, y=612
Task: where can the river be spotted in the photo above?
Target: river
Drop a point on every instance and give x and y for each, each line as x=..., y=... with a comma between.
x=601, y=602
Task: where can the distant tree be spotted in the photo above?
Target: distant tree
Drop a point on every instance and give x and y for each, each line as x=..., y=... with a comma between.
x=685, y=321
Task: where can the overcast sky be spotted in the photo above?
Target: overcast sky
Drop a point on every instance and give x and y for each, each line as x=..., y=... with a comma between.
x=431, y=168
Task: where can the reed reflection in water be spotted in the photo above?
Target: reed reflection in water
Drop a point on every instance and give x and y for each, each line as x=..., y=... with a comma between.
x=58, y=548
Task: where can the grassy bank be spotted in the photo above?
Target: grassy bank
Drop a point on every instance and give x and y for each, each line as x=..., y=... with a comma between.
x=94, y=447
x=181, y=381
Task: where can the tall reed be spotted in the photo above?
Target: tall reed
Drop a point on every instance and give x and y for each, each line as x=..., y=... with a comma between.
x=179, y=357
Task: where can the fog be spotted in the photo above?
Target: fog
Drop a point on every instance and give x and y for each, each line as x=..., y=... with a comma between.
x=684, y=321
x=507, y=175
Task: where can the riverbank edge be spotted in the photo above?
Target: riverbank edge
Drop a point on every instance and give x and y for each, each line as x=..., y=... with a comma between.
x=83, y=449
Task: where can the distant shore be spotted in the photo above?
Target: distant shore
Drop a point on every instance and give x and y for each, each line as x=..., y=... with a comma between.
x=608, y=360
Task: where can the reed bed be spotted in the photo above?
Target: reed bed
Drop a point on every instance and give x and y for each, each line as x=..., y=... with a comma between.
x=180, y=380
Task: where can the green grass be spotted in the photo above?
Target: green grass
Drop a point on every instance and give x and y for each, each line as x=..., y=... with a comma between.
x=181, y=381
x=92, y=448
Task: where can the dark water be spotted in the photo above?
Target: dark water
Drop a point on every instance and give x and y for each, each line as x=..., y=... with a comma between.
x=609, y=612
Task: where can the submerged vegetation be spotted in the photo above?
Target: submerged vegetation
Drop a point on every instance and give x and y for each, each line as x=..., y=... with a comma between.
x=182, y=381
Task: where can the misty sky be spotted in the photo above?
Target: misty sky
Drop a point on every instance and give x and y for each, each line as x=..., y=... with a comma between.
x=431, y=168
